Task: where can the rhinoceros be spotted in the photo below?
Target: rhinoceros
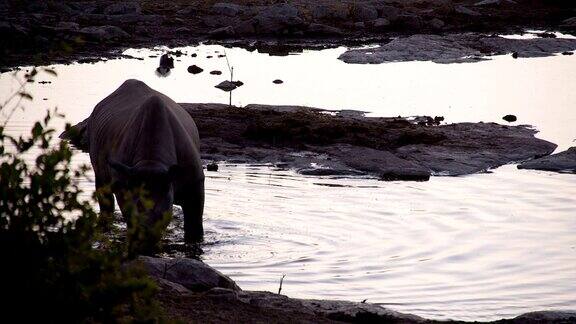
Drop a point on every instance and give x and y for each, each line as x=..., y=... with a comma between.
x=138, y=136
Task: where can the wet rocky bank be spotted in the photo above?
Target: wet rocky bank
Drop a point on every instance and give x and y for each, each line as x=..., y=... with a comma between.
x=192, y=291
x=44, y=32
x=320, y=142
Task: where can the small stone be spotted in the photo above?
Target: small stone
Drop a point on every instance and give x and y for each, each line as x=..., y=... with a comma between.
x=238, y=83
x=515, y=55
x=209, y=56
x=277, y=81
x=510, y=118
x=193, y=55
x=226, y=86
x=215, y=72
x=212, y=167
x=194, y=69
x=567, y=53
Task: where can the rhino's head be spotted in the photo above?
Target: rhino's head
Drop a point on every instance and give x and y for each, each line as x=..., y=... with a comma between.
x=155, y=178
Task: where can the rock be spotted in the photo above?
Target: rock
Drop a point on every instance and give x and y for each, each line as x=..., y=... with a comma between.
x=222, y=32
x=192, y=274
x=334, y=11
x=194, y=69
x=559, y=162
x=363, y=12
x=559, y=317
x=342, y=311
x=546, y=35
x=277, y=81
x=456, y=48
x=466, y=11
x=567, y=53
x=494, y=2
x=510, y=118
x=193, y=55
x=570, y=22
x=104, y=33
x=380, y=23
x=227, y=9
x=390, y=148
x=277, y=19
x=359, y=25
x=222, y=294
x=122, y=8
x=323, y=30
x=226, y=86
x=388, y=12
x=212, y=167
x=172, y=287
x=410, y=22
x=216, y=72
x=166, y=61
x=238, y=83
x=245, y=27
x=436, y=23
x=515, y=55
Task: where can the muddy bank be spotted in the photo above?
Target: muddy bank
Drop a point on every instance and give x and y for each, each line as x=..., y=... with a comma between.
x=318, y=142
x=192, y=291
x=43, y=32
x=457, y=48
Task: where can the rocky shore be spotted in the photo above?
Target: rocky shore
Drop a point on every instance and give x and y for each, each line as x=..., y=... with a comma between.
x=192, y=291
x=44, y=32
x=319, y=142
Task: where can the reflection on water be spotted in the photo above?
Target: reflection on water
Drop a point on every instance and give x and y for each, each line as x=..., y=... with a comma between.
x=477, y=247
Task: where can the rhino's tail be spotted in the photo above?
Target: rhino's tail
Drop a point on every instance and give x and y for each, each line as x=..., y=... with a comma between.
x=77, y=135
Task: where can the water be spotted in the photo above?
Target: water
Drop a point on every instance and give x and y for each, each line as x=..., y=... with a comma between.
x=477, y=247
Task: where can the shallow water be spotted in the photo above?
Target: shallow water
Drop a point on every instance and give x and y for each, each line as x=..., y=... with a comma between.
x=477, y=247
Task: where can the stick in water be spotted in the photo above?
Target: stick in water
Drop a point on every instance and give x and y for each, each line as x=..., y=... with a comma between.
x=281, y=280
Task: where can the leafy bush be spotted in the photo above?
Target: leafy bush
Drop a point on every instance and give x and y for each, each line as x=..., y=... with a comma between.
x=57, y=263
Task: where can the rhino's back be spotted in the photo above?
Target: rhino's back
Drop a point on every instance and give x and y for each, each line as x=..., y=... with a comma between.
x=112, y=120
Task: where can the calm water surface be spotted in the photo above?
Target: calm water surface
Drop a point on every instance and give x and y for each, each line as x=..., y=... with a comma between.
x=477, y=247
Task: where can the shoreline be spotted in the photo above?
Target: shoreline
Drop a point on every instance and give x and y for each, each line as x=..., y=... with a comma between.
x=192, y=291
x=68, y=31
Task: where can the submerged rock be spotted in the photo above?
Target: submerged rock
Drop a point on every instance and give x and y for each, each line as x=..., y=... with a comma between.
x=195, y=69
x=510, y=118
x=226, y=86
x=559, y=162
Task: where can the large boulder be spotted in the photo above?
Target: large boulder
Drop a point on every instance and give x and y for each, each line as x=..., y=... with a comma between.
x=334, y=11
x=559, y=162
x=362, y=12
x=104, y=33
x=277, y=19
x=228, y=9
x=122, y=8
x=192, y=274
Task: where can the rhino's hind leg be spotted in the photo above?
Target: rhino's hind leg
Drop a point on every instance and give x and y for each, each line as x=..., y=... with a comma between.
x=193, y=207
x=105, y=198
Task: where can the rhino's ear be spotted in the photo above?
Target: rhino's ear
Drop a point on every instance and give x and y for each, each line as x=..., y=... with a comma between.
x=175, y=171
x=120, y=167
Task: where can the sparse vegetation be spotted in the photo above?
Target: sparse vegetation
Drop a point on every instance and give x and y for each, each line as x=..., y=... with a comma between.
x=59, y=265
